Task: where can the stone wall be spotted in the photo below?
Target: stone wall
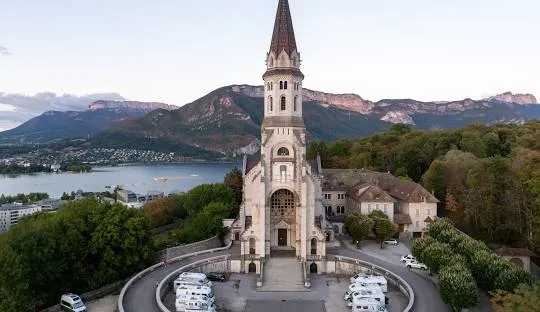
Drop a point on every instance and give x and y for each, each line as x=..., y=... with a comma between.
x=181, y=250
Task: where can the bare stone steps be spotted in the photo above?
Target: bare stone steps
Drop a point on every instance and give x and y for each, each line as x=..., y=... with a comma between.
x=283, y=274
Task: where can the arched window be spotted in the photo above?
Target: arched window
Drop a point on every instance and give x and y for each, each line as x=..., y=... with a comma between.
x=270, y=104
x=313, y=246
x=281, y=85
x=283, y=151
x=252, y=246
x=285, y=85
x=283, y=103
x=295, y=101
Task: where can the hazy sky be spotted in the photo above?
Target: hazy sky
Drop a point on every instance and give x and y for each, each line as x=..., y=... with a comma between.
x=176, y=51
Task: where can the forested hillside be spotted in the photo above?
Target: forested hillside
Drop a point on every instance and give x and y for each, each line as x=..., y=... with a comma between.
x=487, y=177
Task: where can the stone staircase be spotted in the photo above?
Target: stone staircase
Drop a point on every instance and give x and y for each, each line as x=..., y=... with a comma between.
x=283, y=274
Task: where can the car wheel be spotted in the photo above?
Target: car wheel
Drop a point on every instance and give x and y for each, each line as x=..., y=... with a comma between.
x=408, y=267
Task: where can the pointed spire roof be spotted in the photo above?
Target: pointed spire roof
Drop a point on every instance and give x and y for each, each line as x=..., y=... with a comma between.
x=283, y=36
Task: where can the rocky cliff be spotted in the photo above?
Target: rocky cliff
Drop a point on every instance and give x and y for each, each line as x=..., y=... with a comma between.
x=129, y=105
x=508, y=97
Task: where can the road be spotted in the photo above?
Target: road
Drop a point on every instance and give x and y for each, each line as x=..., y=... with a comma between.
x=427, y=297
x=141, y=296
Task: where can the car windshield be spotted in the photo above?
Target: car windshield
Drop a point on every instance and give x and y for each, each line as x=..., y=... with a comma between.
x=78, y=304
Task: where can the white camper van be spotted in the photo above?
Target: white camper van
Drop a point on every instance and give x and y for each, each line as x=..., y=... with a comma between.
x=203, y=291
x=190, y=303
x=357, y=286
x=367, y=305
x=367, y=293
x=377, y=279
x=186, y=281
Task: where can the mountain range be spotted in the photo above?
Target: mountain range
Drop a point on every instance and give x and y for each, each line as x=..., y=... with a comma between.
x=227, y=120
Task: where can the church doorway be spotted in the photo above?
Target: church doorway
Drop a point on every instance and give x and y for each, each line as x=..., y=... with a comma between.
x=236, y=236
x=283, y=219
x=252, y=268
x=282, y=237
x=313, y=268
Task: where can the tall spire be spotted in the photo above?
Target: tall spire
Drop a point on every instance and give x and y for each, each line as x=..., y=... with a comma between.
x=283, y=36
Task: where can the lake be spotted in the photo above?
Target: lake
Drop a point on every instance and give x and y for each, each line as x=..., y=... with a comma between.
x=137, y=178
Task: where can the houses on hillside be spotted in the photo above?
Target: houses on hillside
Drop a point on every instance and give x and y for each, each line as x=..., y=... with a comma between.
x=406, y=203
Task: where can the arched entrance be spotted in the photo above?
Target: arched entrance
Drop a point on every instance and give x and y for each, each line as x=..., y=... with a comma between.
x=236, y=236
x=313, y=268
x=283, y=219
x=252, y=268
x=313, y=246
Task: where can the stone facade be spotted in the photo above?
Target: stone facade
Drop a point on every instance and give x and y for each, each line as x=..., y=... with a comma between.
x=282, y=207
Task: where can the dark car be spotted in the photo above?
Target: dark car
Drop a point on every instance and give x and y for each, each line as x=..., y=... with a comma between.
x=214, y=276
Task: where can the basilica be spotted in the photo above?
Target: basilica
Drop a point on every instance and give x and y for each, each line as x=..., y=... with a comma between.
x=293, y=207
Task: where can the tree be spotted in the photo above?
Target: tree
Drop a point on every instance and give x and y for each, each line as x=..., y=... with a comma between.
x=359, y=226
x=65, y=196
x=384, y=229
x=436, y=255
x=401, y=128
x=525, y=298
x=485, y=267
x=457, y=286
x=234, y=180
x=160, y=212
x=511, y=276
x=439, y=225
x=419, y=245
x=202, y=195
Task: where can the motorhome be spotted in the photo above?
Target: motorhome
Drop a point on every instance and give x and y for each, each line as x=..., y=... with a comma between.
x=377, y=279
x=357, y=286
x=199, y=277
x=185, y=281
x=367, y=293
x=367, y=305
x=190, y=303
x=202, y=291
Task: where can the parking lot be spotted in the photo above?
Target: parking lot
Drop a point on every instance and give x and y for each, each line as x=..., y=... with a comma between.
x=238, y=294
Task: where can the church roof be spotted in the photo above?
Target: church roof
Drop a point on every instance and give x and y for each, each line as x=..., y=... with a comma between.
x=283, y=36
x=371, y=193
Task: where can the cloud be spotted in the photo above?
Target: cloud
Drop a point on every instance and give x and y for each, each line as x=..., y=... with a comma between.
x=4, y=51
x=18, y=108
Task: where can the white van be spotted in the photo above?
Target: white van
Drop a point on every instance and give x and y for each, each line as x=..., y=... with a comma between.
x=367, y=293
x=193, y=275
x=367, y=305
x=185, y=303
x=357, y=286
x=377, y=279
x=72, y=303
x=197, y=277
x=183, y=281
x=202, y=291
x=359, y=275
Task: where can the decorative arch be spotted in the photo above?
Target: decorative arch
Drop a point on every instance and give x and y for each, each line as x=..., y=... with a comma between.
x=283, y=102
x=313, y=268
x=287, y=145
x=283, y=151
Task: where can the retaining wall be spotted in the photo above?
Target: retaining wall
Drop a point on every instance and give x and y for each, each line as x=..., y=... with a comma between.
x=181, y=250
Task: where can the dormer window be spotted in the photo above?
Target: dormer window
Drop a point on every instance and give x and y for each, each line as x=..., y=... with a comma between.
x=283, y=151
x=283, y=103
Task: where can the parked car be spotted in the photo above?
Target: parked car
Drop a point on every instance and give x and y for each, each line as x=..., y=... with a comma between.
x=215, y=276
x=416, y=265
x=391, y=242
x=72, y=303
x=408, y=258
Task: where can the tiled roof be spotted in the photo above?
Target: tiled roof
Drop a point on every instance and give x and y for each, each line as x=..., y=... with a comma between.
x=371, y=193
x=400, y=189
x=283, y=36
x=402, y=218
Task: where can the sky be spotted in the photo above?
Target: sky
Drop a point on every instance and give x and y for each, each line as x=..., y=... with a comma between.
x=176, y=51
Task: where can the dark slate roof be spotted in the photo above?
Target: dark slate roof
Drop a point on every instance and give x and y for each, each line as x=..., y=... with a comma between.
x=283, y=36
x=250, y=161
x=370, y=192
x=402, y=218
x=395, y=187
x=516, y=252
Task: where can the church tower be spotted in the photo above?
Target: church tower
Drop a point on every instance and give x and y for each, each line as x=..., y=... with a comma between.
x=282, y=211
